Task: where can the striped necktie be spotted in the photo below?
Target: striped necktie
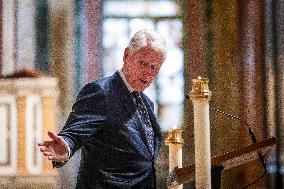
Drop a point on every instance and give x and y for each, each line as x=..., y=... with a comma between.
x=143, y=113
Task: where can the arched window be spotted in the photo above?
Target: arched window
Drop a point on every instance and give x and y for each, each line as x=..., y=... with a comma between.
x=121, y=19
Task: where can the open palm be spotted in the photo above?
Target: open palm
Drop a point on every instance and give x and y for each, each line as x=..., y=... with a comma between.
x=56, y=149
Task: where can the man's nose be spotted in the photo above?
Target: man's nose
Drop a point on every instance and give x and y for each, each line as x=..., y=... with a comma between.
x=150, y=72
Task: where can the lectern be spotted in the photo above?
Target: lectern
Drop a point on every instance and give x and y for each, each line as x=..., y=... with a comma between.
x=27, y=111
x=226, y=161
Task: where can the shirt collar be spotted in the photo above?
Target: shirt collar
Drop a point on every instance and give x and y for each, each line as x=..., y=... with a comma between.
x=125, y=81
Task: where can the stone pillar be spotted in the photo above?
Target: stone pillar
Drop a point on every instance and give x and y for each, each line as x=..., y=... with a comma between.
x=194, y=53
x=251, y=69
x=1, y=33
x=8, y=37
x=26, y=34
x=62, y=64
x=93, y=39
x=251, y=66
x=61, y=43
x=224, y=74
x=278, y=60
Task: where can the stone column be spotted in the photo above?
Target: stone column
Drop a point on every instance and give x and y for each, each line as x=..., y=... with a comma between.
x=61, y=45
x=194, y=64
x=8, y=37
x=26, y=34
x=251, y=66
x=93, y=39
x=62, y=64
x=1, y=29
x=252, y=74
x=278, y=60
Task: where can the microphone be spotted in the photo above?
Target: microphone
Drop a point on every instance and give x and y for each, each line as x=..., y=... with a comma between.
x=250, y=130
x=251, y=133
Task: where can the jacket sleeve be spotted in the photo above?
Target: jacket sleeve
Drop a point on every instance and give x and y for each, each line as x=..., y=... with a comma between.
x=87, y=116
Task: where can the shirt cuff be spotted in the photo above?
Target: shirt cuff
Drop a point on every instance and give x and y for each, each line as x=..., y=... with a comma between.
x=69, y=151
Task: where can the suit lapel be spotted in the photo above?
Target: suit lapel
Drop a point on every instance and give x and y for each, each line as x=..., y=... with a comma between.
x=123, y=98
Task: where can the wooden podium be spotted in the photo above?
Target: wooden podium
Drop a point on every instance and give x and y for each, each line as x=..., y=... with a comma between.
x=28, y=104
x=224, y=161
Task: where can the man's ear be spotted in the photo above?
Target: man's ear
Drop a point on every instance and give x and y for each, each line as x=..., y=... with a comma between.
x=126, y=54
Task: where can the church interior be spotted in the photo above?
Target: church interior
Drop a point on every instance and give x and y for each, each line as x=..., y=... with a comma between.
x=50, y=49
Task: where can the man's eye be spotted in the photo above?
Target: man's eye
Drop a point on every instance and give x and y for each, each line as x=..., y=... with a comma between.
x=154, y=67
x=142, y=63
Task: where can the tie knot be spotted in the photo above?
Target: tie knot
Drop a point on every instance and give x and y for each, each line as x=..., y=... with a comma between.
x=136, y=95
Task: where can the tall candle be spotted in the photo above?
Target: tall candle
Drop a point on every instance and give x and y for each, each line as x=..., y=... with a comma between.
x=175, y=142
x=200, y=96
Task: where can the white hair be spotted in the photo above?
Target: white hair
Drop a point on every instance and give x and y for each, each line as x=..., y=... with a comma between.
x=144, y=38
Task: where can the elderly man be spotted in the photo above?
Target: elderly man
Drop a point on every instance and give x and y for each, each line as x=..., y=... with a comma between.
x=113, y=123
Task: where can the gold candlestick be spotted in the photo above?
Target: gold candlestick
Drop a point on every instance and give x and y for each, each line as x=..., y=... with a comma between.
x=200, y=89
x=174, y=137
x=174, y=141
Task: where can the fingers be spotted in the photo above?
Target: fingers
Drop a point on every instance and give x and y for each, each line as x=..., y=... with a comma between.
x=53, y=156
x=45, y=143
x=48, y=153
x=45, y=149
x=55, y=150
x=56, y=158
x=53, y=136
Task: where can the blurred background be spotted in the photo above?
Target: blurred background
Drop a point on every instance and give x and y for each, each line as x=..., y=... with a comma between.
x=50, y=49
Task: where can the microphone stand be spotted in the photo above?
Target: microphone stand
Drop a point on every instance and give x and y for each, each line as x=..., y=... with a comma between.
x=253, y=138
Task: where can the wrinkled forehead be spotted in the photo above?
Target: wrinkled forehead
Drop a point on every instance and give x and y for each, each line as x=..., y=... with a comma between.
x=151, y=53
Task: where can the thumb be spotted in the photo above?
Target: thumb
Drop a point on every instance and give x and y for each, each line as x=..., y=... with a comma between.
x=53, y=136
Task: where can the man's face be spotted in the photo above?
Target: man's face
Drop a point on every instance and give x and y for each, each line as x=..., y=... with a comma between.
x=141, y=68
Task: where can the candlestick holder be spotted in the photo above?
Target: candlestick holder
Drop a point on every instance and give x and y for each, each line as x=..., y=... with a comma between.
x=200, y=89
x=174, y=137
x=174, y=141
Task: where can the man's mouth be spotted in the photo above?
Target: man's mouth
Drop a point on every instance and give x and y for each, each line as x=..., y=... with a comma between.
x=144, y=81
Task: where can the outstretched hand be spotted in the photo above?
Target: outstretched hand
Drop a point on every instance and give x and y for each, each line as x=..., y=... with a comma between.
x=56, y=149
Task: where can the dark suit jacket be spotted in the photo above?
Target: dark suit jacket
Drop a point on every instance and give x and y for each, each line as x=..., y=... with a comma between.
x=104, y=123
